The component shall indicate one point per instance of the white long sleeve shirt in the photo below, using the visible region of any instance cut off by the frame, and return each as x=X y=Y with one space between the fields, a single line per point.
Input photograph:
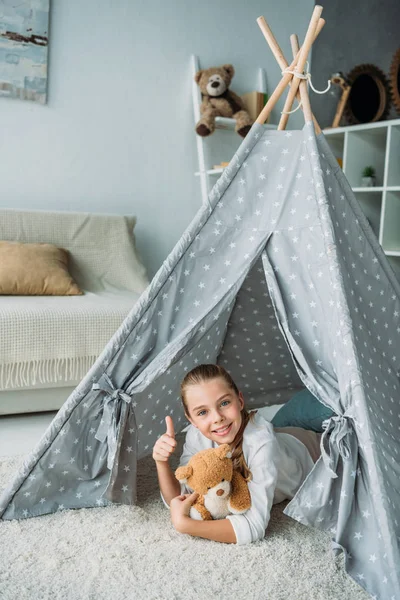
x=279 y=464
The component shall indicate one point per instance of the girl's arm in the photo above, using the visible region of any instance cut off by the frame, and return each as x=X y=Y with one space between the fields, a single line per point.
x=220 y=530
x=169 y=485
x=166 y=477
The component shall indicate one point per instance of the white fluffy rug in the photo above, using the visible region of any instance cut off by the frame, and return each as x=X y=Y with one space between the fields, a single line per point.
x=123 y=552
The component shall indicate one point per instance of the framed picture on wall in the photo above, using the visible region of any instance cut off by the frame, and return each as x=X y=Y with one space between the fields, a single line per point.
x=23 y=49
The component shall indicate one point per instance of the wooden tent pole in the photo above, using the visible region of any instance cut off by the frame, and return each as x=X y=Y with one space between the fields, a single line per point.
x=286 y=78
x=310 y=35
x=280 y=58
x=273 y=99
x=305 y=100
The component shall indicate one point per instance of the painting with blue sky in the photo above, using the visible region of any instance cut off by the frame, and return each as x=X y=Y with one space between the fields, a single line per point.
x=23 y=49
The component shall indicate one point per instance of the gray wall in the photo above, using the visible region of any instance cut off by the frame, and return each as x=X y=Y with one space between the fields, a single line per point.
x=117 y=134
x=355 y=33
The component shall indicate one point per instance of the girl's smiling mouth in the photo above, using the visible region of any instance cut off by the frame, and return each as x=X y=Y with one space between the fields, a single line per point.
x=223 y=431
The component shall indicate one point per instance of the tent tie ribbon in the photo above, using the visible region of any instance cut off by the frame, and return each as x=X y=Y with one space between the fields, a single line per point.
x=340 y=427
x=109 y=427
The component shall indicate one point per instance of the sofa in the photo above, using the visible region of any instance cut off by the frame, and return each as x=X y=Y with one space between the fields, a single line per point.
x=49 y=342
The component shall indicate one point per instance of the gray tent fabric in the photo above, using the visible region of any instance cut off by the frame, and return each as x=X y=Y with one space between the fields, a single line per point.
x=281 y=280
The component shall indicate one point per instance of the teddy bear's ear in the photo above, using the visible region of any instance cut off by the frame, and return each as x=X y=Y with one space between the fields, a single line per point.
x=224 y=451
x=198 y=75
x=182 y=473
x=229 y=69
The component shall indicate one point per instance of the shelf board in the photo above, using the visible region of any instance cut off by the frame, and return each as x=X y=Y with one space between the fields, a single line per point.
x=224 y=123
x=361 y=127
x=368 y=189
x=355 y=189
x=392 y=252
x=211 y=172
x=380 y=188
x=227 y=123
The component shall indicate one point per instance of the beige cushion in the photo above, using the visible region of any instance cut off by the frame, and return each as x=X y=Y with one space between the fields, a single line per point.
x=35 y=270
x=102 y=248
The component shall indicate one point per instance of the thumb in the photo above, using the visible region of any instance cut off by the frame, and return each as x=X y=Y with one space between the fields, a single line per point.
x=170 y=426
x=191 y=497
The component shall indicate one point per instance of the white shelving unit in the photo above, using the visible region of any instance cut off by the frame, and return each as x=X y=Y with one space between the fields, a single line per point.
x=206 y=174
x=376 y=144
x=358 y=146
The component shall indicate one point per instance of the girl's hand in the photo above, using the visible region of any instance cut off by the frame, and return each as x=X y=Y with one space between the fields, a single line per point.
x=180 y=509
x=166 y=444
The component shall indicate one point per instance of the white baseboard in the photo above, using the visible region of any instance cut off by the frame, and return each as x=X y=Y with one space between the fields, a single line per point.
x=36 y=400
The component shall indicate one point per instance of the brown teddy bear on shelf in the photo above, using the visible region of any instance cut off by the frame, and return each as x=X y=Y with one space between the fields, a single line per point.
x=222 y=490
x=219 y=101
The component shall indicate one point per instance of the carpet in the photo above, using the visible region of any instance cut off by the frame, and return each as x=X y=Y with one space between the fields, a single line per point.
x=133 y=552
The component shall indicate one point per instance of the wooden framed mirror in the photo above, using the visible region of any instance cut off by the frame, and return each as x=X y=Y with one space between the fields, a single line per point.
x=369 y=98
x=395 y=80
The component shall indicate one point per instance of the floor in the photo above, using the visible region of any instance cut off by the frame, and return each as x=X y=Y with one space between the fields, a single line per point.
x=20 y=433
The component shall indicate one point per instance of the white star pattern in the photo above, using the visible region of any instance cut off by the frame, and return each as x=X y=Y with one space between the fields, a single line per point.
x=306 y=251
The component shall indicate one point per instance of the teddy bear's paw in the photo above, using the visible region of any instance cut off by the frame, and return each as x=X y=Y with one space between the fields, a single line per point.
x=194 y=514
x=203 y=130
x=236 y=511
x=243 y=131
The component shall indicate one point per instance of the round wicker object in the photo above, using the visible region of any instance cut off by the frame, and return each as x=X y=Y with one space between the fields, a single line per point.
x=369 y=99
x=395 y=80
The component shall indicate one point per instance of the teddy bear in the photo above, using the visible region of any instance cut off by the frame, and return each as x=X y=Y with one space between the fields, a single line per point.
x=219 y=101
x=221 y=489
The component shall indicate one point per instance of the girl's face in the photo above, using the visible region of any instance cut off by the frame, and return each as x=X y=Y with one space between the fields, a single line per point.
x=214 y=409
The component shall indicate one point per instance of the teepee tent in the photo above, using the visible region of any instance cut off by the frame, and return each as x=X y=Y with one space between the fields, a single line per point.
x=280 y=279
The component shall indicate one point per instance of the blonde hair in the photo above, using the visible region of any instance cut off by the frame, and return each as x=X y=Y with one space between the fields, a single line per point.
x=207 y=372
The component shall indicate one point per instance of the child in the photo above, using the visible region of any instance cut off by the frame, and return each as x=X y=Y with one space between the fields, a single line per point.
x=274 y=462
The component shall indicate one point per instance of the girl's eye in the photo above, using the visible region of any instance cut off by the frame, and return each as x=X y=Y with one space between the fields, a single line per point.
x=202 y=412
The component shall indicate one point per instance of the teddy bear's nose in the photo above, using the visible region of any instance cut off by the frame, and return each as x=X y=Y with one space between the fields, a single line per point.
x=215 y=84
x=220 y=492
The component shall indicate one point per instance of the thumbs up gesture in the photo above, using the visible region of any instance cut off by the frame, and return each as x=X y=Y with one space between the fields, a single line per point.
x=166 y=444
x=170 y=427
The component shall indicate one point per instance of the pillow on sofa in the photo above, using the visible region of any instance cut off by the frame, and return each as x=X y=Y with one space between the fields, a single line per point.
x=102 y=247
x=35 y=270
x=302 y=410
